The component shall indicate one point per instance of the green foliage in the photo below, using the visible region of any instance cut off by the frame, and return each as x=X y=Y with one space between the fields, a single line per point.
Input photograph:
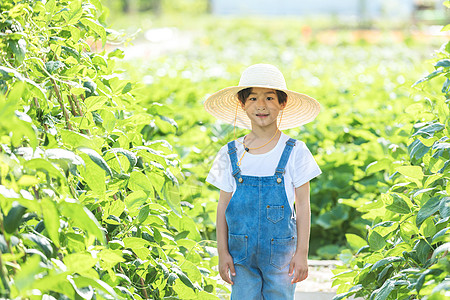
x=405 y=253
x=89 y=199
x=360 y=86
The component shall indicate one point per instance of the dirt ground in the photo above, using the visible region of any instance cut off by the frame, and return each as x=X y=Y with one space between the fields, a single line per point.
x=319 y=277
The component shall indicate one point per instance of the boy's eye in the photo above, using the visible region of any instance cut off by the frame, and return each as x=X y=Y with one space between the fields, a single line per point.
x=269 y=98
x=252 y=98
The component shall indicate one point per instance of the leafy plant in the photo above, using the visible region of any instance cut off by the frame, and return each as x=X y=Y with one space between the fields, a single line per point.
x=404 y=254
x=89 y=198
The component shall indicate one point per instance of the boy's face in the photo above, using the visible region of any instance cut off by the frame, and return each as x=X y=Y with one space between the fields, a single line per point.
x=262 y=106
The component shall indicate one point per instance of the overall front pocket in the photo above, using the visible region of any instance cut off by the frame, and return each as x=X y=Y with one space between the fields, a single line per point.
x=281 y=251
x=237 y=246
x=275 y=213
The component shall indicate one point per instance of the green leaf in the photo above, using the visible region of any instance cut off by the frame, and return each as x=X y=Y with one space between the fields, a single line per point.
x=417 y=149
x=42 y=242
x=50 y=7
x=444 y=207
x=181 y=289
x=126 y=88
x=135 y=200
x=82 y=218
x=96 y=158
x=429 y=76
x=166 y=124
x=386 y=261
x=411 y=171
x=79 y=262
x=398 y=205
x=341 y=296
x=192 y=271
x=128 y=154
x=355 y=241
x=95 y=102
x=407 y=230
x=74 y=13
x=26 y=275
x=427 y=210
x=74 y=33
x=441 y=233
x=14 y=217
x=383 y=292
x=139 y=182
x=19 y=49
x=383 y=164
x=52 y=66
x=172 y=196
x=428 y=228
x=97 y=4
x=93 y=174
x=443 y=63
x=77 y=140
x=143 y=214
x=134 y=242
x=429 y=130
x=51 y=220
x=442 y=248
x=43 y=165
x=376 y=241
x=422 y=249
x=119 y=53
x=185 y=224
x=182 y=276
x=62 y=154
x=35 y=89
x=82 y=282
x=96 y=27
x=110 y=257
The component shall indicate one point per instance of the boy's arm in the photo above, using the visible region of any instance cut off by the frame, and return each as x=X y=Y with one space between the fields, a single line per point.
x=225 y=259
x=299 y=262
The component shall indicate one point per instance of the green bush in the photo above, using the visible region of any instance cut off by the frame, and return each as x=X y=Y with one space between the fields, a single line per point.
x=404 y=254
x=89 y=195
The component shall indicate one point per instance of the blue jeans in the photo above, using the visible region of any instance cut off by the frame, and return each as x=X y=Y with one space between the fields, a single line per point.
x=262 y=233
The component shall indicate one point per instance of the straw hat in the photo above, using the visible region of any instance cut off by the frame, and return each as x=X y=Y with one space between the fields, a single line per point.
x=300 y=109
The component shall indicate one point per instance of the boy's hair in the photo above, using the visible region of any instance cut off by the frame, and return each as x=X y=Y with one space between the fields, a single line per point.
x=243 y=95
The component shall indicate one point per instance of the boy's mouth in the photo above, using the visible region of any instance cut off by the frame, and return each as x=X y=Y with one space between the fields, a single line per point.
x=262 y=115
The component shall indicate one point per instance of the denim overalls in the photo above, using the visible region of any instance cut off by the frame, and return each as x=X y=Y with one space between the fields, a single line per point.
x=262 y=233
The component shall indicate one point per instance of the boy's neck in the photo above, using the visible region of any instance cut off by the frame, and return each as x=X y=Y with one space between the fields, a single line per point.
x=263 y=134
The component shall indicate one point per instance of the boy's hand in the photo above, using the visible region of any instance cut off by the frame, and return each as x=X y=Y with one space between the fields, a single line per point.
x=298 y=266
x=225 y=264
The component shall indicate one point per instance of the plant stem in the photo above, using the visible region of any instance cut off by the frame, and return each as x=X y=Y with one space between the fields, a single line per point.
x=144 y=290
x=5 y=283
x=72 y=106
x=77 y=103
x=61 y=104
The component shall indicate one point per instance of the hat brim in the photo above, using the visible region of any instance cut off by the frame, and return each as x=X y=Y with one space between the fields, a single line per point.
x=300 y=108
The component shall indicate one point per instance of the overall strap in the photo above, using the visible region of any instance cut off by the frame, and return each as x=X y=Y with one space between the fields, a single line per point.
x=233 y=158
x=284 y=158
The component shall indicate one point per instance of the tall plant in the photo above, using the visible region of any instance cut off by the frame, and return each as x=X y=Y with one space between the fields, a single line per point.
x=405 y=252
x=90 y=206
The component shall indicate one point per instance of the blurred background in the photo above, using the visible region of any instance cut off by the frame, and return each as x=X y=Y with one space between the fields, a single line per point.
x=358 y=58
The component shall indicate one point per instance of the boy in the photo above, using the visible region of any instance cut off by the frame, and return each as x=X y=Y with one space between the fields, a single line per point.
x=262 y=239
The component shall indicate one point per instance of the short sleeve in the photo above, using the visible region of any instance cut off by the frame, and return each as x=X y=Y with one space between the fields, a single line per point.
x=220 y=174
x=305 y=166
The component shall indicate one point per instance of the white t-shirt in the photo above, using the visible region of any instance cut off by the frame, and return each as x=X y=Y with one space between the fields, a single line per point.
x=300 y=168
